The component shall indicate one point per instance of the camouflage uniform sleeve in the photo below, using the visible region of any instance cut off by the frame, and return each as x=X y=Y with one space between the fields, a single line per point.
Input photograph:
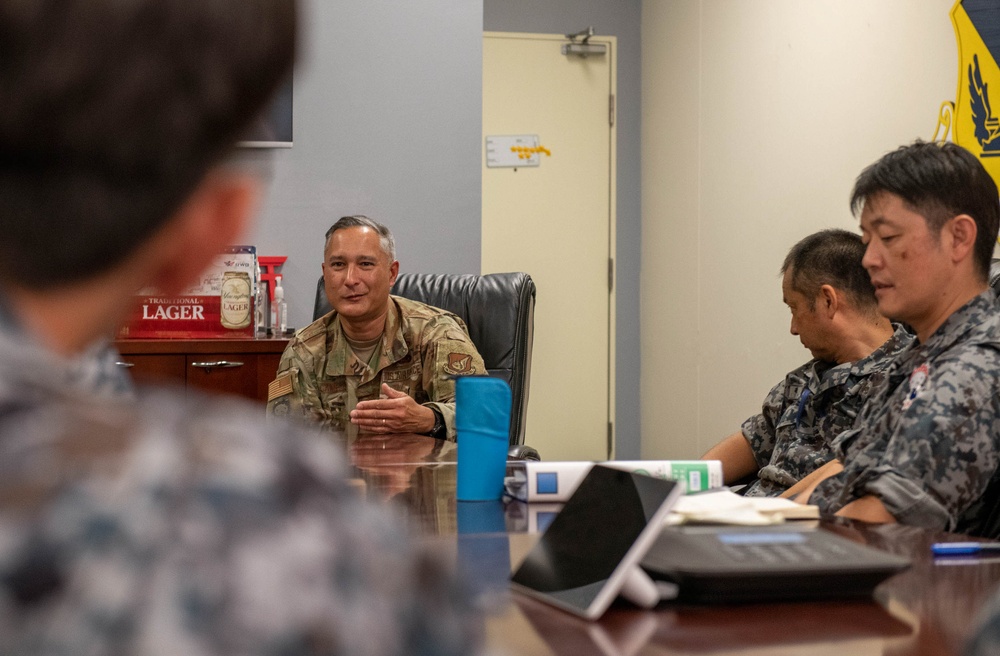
x=337 y=569
x=448 y=352
x=760 y=430
x=294 y=392
x=942 y=452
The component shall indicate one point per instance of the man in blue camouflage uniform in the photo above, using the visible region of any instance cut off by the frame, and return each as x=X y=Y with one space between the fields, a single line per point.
x=926 y=447
x=159 y=523
x=835 y=316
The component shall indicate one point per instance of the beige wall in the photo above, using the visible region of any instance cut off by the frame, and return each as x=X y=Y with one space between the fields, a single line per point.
x=757 y=116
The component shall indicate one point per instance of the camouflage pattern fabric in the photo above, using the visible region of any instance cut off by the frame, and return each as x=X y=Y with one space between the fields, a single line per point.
x=423 y=347
x=95 y=373
x=168 y=524
x=793 y=434
x=927 y=443
x=985 y=639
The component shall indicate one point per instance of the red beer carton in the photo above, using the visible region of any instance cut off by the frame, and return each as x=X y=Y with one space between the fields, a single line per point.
x=220 y=305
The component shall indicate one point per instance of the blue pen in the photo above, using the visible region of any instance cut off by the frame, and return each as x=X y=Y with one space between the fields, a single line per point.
x=964 y=548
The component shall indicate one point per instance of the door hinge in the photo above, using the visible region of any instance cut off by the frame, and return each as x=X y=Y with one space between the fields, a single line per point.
x=611 y=439
x=611 y=110
x=611 y=274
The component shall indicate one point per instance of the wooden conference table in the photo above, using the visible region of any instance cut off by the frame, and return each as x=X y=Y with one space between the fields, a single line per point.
x=928 y=609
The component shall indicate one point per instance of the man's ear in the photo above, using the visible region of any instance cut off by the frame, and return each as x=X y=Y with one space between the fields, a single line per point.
x=828 y=301
x=216 y=215
x=961 y=231
x=393 y=273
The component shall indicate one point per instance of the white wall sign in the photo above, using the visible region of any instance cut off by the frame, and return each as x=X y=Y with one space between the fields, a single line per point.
x=512 y=151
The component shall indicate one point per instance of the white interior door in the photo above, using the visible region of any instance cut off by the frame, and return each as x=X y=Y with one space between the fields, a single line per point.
x=555 y=221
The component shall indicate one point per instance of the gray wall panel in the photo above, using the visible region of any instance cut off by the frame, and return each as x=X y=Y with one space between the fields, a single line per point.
x=388 y=115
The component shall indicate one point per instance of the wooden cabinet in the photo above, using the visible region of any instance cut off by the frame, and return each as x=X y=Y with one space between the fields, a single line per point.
x=233 y=366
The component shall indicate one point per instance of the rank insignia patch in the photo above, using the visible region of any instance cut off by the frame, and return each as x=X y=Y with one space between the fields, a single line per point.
x=459 y=363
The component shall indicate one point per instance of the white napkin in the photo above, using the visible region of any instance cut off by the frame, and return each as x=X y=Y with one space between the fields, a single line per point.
x=725 y=507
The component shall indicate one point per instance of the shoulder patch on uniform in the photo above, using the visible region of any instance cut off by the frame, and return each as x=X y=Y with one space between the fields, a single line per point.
x=459 y=363
x=918 y=377
x=280 y=386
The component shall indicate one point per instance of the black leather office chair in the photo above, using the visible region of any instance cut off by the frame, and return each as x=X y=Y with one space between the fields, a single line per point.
x=995 y=276
x=499 y=309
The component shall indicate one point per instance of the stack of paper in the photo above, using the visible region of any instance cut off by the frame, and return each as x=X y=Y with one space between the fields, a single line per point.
x=726 y=507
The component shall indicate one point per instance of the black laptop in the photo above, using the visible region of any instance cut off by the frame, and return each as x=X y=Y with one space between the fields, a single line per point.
x=714 y=564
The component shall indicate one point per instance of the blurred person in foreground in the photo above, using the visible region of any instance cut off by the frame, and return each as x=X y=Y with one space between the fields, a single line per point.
x=164 y=525
x=835 y=315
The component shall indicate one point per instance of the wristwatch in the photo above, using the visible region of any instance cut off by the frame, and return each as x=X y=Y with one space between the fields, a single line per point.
x=440 y=430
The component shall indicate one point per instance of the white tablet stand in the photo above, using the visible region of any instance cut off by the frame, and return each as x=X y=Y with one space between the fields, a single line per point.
x=643 y=591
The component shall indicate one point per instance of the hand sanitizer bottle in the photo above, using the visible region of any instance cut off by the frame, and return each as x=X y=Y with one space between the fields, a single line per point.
x=260 y=303
x=279 y=311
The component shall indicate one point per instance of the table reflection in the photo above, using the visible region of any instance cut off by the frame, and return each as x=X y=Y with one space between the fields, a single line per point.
x=618 y=633
x=367 y=451
x=928 y=609
x=389 y=464
x=418 y=472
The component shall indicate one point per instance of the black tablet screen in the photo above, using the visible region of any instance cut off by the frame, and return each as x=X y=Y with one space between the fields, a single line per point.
x=575 y=558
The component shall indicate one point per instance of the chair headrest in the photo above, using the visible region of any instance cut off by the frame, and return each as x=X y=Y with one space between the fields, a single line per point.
x=995 y=277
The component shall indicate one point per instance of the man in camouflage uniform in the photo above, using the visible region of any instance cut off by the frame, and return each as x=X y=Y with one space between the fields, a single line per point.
x=380 y=363
x=164 y=523
x=926 y=446
x=835 y=316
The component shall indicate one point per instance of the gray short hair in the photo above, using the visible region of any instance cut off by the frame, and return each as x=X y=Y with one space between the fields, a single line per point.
x=386 y=241
x=831 y=257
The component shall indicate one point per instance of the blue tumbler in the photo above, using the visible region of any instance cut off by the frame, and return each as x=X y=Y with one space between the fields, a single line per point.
x=482 y=420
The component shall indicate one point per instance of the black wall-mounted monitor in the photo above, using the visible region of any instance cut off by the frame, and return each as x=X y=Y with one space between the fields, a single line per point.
x=274 y=127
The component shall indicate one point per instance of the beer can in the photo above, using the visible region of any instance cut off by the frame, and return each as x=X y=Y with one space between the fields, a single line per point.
x=235 y=298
